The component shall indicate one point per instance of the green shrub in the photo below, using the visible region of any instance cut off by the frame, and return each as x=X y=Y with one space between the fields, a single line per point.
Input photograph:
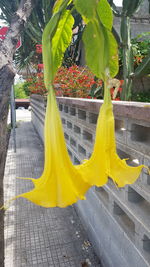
x=19 y=91
x=25 y=87
x=141 y=97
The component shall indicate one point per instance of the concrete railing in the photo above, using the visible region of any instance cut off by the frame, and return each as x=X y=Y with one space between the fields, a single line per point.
x=117 y=219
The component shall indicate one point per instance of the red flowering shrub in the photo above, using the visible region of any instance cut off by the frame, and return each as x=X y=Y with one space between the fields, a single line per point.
x=39 y=49
x=74 y=82
x=70 y=82
x=36 y=84
x=138 y=59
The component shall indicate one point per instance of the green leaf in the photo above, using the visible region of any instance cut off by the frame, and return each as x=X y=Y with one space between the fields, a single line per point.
x=94 y=48
x=36 y=33
x=47 y=36
x=113 y=55
x=143 y=34
x=105 y=14
x=101 y=50
x=57 y=5
x=110 y=53
x=62 y=38
x=87 y=9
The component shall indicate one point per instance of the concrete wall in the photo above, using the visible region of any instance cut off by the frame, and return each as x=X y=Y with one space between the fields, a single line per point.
x=140 y=22
x=38 y=114
x=117 y=219
x=138 y=25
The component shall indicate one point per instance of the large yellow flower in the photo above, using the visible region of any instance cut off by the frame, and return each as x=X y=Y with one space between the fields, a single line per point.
x=62 y=183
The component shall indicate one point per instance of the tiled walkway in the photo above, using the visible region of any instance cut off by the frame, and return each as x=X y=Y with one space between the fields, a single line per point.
x=36 y=236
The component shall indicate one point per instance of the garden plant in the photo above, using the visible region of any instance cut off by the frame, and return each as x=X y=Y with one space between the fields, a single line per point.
x=62 y=183
x=125 y=42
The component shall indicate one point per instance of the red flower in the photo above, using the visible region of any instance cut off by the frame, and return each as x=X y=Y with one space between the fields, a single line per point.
x=39 y=48
x=121 y=82
x=40 y=66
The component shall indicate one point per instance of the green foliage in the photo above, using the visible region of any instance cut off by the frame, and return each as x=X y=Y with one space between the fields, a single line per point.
x=141 y=54
x=62 y=38
x=141 y=44
x=49 y=57
x=130 y=7
x=105 y=50
x=141 y=97
x=94 y=46
x=19 y=91
x=26 y=55
x=113 y=55
x=57 y=5
x=105 y=13
x=97 y=91
x=8 y=9
x=131 y=52
x=72 y=55
x=32 y=35
x=143 y=68
x=88 y=9
x=25 y=87
x=48 y=34
x=100 y=44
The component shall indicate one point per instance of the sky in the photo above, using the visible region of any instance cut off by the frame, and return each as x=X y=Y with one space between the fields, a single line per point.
x=118 y=2
x=1 y=21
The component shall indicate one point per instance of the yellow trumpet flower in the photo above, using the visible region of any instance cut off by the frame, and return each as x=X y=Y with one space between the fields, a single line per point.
x=62 y=183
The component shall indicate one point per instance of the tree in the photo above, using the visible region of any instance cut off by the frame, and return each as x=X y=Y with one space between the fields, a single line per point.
x=26 y=55
x=32 y=34
x=7 y=49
